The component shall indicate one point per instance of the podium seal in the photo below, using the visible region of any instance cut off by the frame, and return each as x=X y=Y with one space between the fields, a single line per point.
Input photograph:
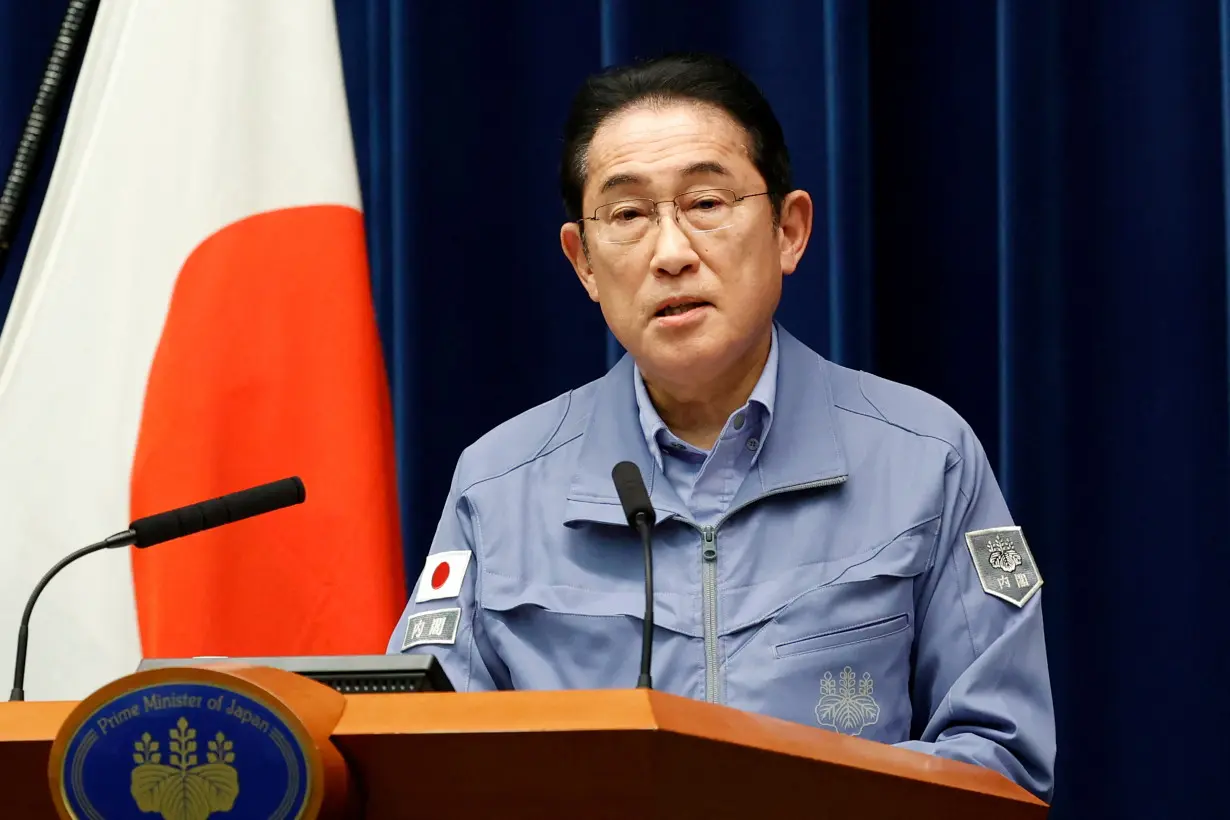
x=190 y=748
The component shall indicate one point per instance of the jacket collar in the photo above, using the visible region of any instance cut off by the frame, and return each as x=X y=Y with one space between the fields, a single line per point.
x=803 y=450
x=763 y=394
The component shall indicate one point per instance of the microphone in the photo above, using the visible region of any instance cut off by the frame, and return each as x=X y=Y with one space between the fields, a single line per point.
x=205 y=515
x=635 y=500
x=154 y=529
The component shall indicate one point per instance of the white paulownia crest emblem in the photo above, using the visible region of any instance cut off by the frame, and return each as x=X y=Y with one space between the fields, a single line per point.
x=1002 y=554
x=847 y=705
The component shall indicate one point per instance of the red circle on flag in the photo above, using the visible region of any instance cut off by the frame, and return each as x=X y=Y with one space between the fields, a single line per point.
x=440 y=575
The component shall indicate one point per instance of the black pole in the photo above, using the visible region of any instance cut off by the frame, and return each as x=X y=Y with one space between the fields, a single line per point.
x=121 y=539
x=74 y=29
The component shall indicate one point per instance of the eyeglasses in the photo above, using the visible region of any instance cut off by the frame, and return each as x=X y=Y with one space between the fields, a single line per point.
x=629 y=220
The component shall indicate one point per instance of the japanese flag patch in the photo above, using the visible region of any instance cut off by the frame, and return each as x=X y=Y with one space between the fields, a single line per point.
x=1006 y=567
x=435 y=626
x=442 y=576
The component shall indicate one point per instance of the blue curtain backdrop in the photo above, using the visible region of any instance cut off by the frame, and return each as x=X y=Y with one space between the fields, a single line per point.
x=1021 y=208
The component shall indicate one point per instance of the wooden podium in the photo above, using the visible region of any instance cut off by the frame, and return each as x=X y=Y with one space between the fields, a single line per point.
x=577 y=754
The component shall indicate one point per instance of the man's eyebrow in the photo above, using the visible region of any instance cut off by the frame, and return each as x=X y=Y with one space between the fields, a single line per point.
x=707 y=167
x=695 y=169
x=620 y=179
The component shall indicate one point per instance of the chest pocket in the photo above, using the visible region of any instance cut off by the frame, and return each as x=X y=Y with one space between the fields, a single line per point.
x=837 y=654
x=555 y=636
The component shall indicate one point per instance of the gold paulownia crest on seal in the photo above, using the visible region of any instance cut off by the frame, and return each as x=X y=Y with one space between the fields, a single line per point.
x=180 y=789
x=182 y=775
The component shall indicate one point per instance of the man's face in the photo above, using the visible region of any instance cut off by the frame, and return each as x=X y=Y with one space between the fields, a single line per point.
x=688 y=305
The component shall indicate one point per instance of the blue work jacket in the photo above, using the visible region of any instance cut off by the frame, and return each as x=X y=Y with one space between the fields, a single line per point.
x=867 y=577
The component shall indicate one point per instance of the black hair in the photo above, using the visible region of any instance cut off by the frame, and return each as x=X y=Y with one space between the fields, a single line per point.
x=690 y=77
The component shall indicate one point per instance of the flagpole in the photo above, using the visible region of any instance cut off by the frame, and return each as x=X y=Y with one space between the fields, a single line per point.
x=74 y=29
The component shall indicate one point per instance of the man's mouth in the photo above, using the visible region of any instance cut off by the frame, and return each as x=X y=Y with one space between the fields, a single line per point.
x=675 y=310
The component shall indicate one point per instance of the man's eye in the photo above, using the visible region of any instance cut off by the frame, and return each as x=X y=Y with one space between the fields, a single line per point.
x=626 y=214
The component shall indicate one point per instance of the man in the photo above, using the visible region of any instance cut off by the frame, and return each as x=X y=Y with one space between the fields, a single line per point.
x=831 y=548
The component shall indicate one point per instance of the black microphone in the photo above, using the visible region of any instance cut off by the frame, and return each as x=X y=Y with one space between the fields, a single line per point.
x=205 y=515
x=635 y=500
x=154 y=529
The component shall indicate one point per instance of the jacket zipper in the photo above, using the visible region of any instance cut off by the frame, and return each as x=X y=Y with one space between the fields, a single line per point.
x=708 y=576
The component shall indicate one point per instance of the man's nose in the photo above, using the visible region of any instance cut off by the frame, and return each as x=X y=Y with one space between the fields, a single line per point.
x=673 y=252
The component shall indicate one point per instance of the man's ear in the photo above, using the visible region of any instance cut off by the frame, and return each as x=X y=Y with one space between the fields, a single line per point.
x=573 y=244
x=794 y=229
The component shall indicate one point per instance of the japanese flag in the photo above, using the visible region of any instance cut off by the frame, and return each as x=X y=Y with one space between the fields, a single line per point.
x=442 y=576
x=194 y=317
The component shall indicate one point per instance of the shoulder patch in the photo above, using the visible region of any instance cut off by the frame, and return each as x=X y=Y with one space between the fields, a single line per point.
x=438 y=626
x=1006 y=567
x=442 y=575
